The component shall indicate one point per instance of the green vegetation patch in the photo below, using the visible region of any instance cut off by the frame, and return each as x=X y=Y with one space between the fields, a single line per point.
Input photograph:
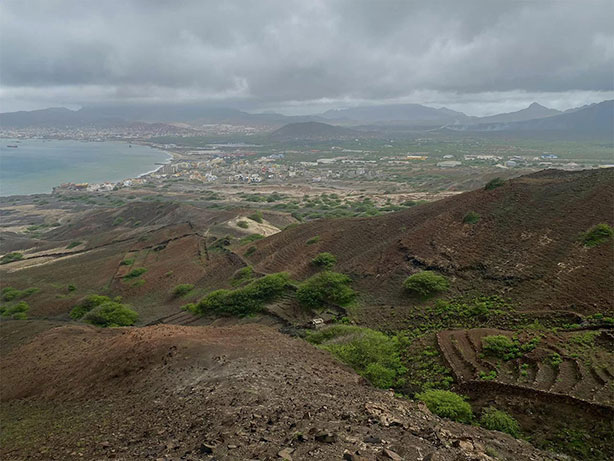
x=247 y=300
x=182 y=289
x=324 y=288
x=251 y=238
x=373 y=354
x=242 y=276
x=507 y=348
x=73 y=245
x=11 y=294
x=11 y=257
x=471 y=218
x=257 y=216
x=135 y=273
x=243 y=224
x=86 y=305
x=313 y=240
x=325 y=260
x=17 y=312
x=111 y=314
x=447 y=404
x=597 y=235
x=497 y=420
x=426 y=283
x=127 y=262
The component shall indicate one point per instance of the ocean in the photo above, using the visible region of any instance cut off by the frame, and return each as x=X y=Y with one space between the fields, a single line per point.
x=37 y=165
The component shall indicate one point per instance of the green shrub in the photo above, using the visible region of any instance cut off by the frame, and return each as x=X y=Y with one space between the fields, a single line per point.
x=111 y=314
x=497 y=420
x=11 y=257
x=73 y=244
x=325 y=260
x=127 y=262
x=447 y=405
x=71 y=287
x=247 y=300
x=182 y=289
x=426 y=283
x=371 y=353
x=325 y=287
x=257 y=216
x=555 y=359
x=471 y=218
x=117 y=221
x=313 y=240
x=494 y=183
x=243 y=224
x=16 y=312
x=490 y=376
x=86 y=305
x=597 y=235
x=134 y=273
x=10 y=293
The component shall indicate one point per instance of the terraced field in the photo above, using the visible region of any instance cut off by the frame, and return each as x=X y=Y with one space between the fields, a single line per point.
x=556 y=366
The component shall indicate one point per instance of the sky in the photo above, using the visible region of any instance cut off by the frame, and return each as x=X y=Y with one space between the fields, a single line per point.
x=306 y=56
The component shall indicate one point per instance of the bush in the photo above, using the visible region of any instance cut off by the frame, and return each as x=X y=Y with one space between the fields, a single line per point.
x=326 y=287
x=251 y=238
x=111 y=314
x=471 y=218
x=243 y=224
x=371 y=353
x=313 y=240
x=117 y=221
x=71 y=287
x=11 y=257
x=426 y=283
x=497 y=420
x=257 y=216
x=597 y=235
x=16 y=312
x=494 y=183
x=73 y=244
x=249 y=299
x=10 y=293
x=182 y=289
x=325 y=260
x=447 y=405
x=127 y=262
x=134 y=273
x=86 y=305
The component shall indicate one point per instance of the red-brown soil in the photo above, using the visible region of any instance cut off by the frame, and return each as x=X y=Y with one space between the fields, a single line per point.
x=525 y=246
x=243 y=392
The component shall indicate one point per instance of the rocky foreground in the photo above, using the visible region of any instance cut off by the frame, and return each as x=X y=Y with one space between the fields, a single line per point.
x=186 y=393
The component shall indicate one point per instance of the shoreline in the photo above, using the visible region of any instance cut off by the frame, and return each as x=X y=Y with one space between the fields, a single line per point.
x=170 y=156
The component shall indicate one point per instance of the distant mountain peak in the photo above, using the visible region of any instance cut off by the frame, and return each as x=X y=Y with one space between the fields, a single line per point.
x=536 y=105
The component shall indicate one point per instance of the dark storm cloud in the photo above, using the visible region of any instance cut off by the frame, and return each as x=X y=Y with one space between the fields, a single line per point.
x=277 y=52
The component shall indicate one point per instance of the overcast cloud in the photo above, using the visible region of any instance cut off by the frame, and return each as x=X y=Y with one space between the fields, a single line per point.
x=300 y=56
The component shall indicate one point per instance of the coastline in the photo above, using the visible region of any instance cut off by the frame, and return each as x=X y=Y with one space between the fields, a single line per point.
x=170 y=156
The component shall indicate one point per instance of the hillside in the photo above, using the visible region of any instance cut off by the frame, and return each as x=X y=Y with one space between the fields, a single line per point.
x=312 y=131
x=407 y=113
x=525 y=245
x=534 y=111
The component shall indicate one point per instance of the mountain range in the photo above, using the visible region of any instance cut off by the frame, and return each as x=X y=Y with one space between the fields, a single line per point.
x=595 y=118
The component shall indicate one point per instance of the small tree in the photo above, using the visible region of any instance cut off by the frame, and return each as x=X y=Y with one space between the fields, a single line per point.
x=471 y=218
x=426 y=283
x=447 y=405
